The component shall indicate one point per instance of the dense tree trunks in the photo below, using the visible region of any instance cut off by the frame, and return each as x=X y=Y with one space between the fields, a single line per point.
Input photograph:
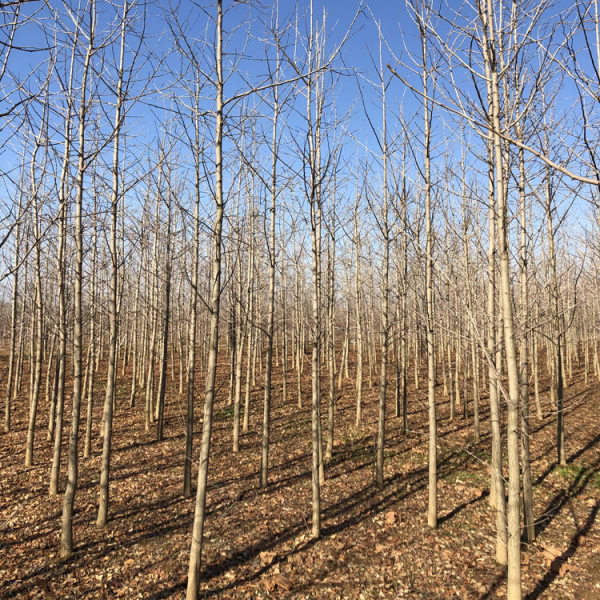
x=122 y=253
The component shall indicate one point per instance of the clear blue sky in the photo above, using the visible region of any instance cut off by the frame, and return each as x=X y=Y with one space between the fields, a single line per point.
x=362 y=47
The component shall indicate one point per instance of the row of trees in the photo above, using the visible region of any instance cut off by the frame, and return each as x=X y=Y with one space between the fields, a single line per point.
x=262 y=218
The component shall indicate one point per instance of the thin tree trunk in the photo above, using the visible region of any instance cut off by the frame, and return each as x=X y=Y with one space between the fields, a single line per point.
x=272 y=252
x=524 y=362
x=165 y=341
x=193 y=319
x=92 y=347
x=506 y=307
x=331 y=330
x=359 y=324
x=497 y=491
x=193 y=582
x=432 y=453
x=385 y=333
x=66 y=538
x=557 y=336
x=13 y=314
x=113 y=303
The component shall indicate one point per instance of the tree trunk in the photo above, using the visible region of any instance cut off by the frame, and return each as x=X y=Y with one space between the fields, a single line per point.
x=113 y=302
x=66 y=538
x=193 y=582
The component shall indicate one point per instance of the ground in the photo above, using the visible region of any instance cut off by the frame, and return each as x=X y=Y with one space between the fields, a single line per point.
x=375 y=542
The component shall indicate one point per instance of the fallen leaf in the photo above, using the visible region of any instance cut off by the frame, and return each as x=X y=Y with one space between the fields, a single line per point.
x=551 y=552
x=283 y=582
x=390 y=517
x=266 y=558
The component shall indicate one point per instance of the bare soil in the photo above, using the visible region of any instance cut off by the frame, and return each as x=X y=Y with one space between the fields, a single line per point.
x=375 y=542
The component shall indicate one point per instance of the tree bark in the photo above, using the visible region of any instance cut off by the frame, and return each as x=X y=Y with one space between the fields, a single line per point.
x=113 y=302
x=195 y=563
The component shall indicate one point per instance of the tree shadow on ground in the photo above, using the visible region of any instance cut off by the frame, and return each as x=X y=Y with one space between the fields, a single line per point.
x=361 y=505
x=554 y=569
x=562 y=497
x=461 y=507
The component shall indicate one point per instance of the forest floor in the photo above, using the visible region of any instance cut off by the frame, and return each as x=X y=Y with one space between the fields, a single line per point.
x=375 y=543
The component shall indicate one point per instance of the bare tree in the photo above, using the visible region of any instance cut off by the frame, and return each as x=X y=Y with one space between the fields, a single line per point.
x=66 y=540
x=491 y=56
x=272 y=254
x=116 y=194
x=193 y=582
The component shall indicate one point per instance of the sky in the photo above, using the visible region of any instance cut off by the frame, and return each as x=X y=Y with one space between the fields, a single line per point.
x=147 y=119
x=359 y=52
